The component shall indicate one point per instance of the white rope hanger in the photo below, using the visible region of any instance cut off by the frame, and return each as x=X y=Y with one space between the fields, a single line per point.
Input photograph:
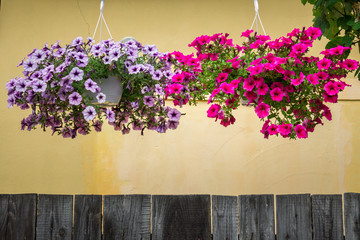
x=257 y=16
x=101 y=16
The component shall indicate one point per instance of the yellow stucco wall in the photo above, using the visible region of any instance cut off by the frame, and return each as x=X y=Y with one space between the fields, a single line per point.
x=200 y=156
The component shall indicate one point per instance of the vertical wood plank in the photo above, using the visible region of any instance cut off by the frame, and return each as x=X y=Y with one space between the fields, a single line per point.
x=179 y=217
x=113 y=217
x=352 y=216
x=327 y=217
x=137 y=217
x=293 y=214
x=87 y=219
x=54 y=220
x=225 y=217
x=17 y=216
x=256 y=217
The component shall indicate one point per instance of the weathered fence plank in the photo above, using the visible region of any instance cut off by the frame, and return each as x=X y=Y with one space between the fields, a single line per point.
x=137 y=217
x=181 y=217
x=256 y=217
x=87 y=217
x=327 y=217
x=17 y=216
x=225 y=217
x=293 y=213
x=113 y=217
x=352 y=216
x=54 y=220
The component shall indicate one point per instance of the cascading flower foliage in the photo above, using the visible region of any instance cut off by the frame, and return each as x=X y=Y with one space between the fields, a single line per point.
x=57 y=84
x=289 y=90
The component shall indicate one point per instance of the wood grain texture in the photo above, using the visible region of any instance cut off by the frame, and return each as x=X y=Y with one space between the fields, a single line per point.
x=225 y=217
x=137 y=217
x=54 y=220
x=113 y=217
x=293 y=214
x=181 y=217
x=87 y=217
x=327 y=217
x=17 y=216
x=352 y=216
x=256 y=217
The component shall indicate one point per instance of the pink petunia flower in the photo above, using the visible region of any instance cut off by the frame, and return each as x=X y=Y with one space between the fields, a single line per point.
x=313 y=79
x=285 y=129
x=262 y=88
x=213 y=110
x=324 y=64
x=227 y=88
x=273 y=129
x=221 y=77
x=262 y=110
x=301 y=131
x=331 y=88
x=277 y=94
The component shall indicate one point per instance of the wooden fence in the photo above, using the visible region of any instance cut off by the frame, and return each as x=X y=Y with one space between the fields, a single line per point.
x=179 y=217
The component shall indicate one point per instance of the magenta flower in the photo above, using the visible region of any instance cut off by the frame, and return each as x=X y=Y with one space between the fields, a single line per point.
x=213 y=110
x=285 y=129
x=322 y=75
x=227 y=88
x=313 y=79
x=174 y=115
x=76 y=74
x=262 y=88
x=178 y=78
x=249 y=84
x=331 y=88
x=350 y=64
x=273 y=129
x=75 y=98
x=174 y=88
x=301 y=131
x=262 y=110
x=330 y=98
x=246 y=33
x=313 y=32
x=89 y=113
x=324 y=63
x=221 y=77
x=251 y=96
x=277 y=94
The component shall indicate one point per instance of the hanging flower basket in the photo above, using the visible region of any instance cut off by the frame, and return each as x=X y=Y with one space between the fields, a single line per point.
x=112 y=88
x=293 y=88
x=59 y=85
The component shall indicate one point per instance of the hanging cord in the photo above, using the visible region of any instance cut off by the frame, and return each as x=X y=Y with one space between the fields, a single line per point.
x=101 y=16
x=257 y=16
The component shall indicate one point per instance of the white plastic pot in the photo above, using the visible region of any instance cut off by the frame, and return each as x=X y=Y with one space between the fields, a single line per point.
x=112 y=88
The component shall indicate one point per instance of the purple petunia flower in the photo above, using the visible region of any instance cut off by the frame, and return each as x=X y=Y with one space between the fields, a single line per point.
x=157 y=75
x=89 y=113
x=101 y=98
x=59 y=52
x=168 y=74
x=114 y=54
x=66 y=81
x=39 y=86
x=76 y=74
x=135 y=105
x=90 y=85
x=174 y=115
x=145 y=89
x=30 y=65
x=62 y=94
x=127 y=64
x=133 y=69
x=159 y=90
x=172 y=124
x=21 y=85
x=150 y=49
x=75 y=98
x=11 y=84
x=149 y=101
x=110 y=115
x=107 y=60
x=38 y=56
x=77 y=41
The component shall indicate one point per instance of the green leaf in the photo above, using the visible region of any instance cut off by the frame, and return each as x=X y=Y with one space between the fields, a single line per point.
x=304 y=2
x=318 y=3
x=322 y=23
x=356 y=26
